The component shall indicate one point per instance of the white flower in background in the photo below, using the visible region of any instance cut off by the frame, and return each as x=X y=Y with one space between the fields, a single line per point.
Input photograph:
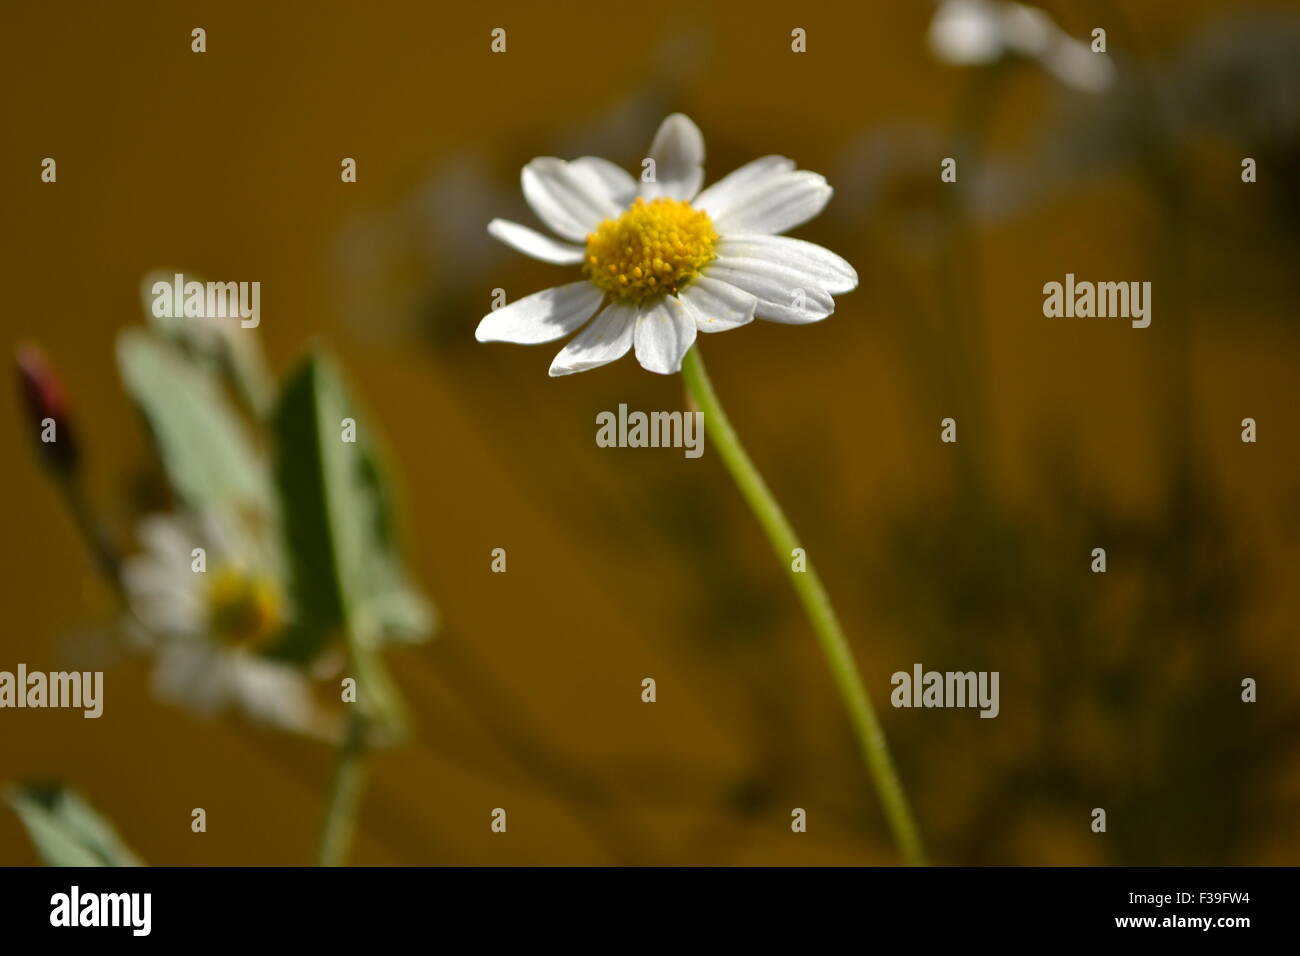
x=662 y=259
x=980 y=32
x=206 y=629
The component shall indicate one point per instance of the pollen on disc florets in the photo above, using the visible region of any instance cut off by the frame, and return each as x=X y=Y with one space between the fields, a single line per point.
x=244 y=609
x=654 y=247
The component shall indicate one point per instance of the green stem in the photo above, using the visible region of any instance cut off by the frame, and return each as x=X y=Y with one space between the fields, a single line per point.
x=96 y=536
x=344 y=800
x=817 y=605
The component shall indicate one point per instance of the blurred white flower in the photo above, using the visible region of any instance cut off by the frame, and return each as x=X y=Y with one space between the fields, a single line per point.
x=206 y=629
x=980 y=32
x=664 y=259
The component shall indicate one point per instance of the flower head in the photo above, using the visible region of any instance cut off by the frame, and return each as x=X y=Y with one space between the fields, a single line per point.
x=980 y=32
x=663 y=260
x=207 y=623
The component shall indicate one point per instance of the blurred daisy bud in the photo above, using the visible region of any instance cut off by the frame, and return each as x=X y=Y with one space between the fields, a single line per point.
x=46 y=406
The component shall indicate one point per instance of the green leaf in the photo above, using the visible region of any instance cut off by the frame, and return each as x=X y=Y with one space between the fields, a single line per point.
x=205 y=451
x=66 y=830
x=219 y=344
x=346 y=568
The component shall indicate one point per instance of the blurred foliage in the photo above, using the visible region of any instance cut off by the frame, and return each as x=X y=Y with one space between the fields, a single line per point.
x=339 y=522
x=66 y=830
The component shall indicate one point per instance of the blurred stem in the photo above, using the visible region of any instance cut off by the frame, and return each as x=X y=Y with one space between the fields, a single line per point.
x=384 y=708
x=343 y=801
x=958 y=278
x=97 y=537
x=816 y=604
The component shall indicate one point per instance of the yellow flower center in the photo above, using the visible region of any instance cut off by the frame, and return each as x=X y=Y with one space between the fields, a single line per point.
x=244 y=610
x=656 y=246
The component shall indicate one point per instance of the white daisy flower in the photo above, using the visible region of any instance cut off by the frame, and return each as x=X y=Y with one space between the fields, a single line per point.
x=979 y=32
x=206 y=628
x=663 y=260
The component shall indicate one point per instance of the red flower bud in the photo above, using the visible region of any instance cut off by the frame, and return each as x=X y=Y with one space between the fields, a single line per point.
x=46 y=404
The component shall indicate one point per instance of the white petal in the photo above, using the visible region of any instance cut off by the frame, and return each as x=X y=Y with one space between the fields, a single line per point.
x=966 y=32
x=731 y=189
x=617 y=182
x=193 y=675
x=1075 y=65
x=570 y=199
x=823 y=267
x=678 y=152
x=226 y=540
x=775 y=203
x=167 y=538
x=1027 y=30
x=665 y=332
x=607 y=338
x=543 y=316
x=172 y=617
x=784 y=294
x=717 y=306
x=166 y=601
x=532 y=243
x=271 y=693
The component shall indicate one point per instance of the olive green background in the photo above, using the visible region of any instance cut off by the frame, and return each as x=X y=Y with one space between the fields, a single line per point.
x=1118 y=690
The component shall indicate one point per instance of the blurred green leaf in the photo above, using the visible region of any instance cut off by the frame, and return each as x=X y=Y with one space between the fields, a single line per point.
x=204 y=449
x=66 y=830
x=339 y=524
x=219 y=344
